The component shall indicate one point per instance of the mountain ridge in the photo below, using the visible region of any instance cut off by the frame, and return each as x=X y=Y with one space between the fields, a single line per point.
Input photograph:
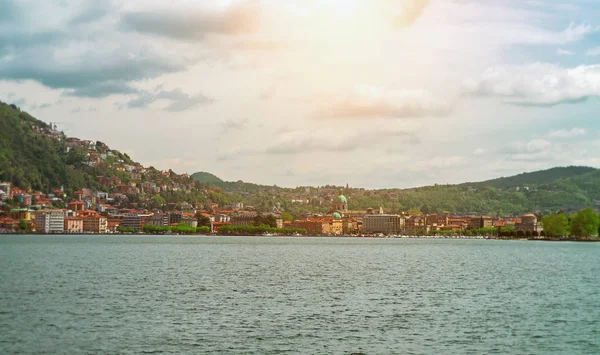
x=33 y=154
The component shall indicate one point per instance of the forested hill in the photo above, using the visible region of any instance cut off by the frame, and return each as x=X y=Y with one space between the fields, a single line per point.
x=534 y=178
x=28 y=158
x=563 y=188
x=33 y=154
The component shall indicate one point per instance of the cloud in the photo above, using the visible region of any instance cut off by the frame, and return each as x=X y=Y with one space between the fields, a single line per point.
x=179 y=100
x=532 y=150
x=375 y=102
x=538 y=84
x=7 y=10
x=575 y=33
x=195 y=24
x=593 y=52
x=88 y=72
x=479 y=151
x=413 y=9
x=436 y=163
x=564 y=52
x=564 y=133
x=258 y=45
x=293 y=142
x=93 y=11
x=76 y=53
x=235 y=125
x=143 y=100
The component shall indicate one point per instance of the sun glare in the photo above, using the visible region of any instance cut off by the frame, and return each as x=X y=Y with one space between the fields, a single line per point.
x=343 y=9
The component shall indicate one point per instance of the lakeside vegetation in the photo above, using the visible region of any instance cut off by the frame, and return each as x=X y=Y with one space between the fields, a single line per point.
x=259 y=230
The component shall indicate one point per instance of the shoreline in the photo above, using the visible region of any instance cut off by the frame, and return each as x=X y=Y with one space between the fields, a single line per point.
x=313 y=236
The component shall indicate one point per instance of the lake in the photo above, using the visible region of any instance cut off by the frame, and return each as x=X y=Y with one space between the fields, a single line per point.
x=257 y=295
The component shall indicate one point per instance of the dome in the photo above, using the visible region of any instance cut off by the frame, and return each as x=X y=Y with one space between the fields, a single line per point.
x=336 y=215
x=529 y=219
x=341 y=199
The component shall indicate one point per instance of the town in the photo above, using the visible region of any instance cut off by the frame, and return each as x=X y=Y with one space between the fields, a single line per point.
x=123 y=196
x=102 y=212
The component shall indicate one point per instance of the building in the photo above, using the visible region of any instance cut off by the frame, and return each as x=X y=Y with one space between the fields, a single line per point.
x=221 y=218
x=8 y=225
x=132 y=220
x=190 y=221
x=529 y=223
x=340 y=204
x=24 y=199
x=50 y=221
x=95 y=224
x=349 y=226
x=336 y=226
x=175 y=217
x=312 y=226
x=76 y=206
x=382 y=223
x=73 y=225
x=159 y=220
x=481 y=222
x=22 y=214
x=5 y=190
x=243 y=219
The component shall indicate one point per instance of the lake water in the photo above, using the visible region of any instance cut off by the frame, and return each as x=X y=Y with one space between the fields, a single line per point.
x=193 y=295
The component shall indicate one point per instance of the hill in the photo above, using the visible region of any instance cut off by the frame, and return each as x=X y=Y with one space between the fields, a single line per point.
x=547 y=191
x=29 y=159
x=206 y=178
x=34 y=155
x=535 y=178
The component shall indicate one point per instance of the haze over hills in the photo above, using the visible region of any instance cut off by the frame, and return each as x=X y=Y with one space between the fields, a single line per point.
x=34 y=155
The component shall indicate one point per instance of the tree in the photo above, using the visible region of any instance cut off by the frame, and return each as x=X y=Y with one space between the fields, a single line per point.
x=286 y=216
x=202 y=220
x=267 y=220
x=414 y=212
x=23 y=225
x=585 y=223
x=556 y=225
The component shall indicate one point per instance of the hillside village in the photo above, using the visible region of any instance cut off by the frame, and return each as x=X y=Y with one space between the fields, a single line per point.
x=104 y=191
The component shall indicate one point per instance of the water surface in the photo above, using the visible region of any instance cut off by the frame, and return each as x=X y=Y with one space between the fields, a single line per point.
x=192 y=295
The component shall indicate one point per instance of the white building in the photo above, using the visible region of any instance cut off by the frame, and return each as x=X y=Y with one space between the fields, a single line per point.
x=50 y=221
x=5 y=188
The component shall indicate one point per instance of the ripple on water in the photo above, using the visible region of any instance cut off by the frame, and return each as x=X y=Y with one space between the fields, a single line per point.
x=151 y=295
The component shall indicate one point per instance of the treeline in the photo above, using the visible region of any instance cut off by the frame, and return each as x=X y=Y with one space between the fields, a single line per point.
x=585 y=223
x=258 y=230
x=181 y=228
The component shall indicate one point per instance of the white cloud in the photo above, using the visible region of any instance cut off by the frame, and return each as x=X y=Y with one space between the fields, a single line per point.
x=576 y=33
x=436 y=163
x=593 y=52
x=538 y=84
x=537 y=145
x=564 y=52
x=479 y=151
x=564 y=133
x=366 y=101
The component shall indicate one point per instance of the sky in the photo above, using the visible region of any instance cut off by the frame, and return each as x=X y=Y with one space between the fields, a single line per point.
x=376 y=94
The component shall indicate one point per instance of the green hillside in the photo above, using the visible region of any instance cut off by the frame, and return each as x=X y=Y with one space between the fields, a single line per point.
x=34 y=155
x=547 y=191
x=29 y=159
x=535 y=178
x=206 y=178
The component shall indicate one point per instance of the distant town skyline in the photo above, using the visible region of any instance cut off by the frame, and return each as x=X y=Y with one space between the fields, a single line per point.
x=371 y=93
